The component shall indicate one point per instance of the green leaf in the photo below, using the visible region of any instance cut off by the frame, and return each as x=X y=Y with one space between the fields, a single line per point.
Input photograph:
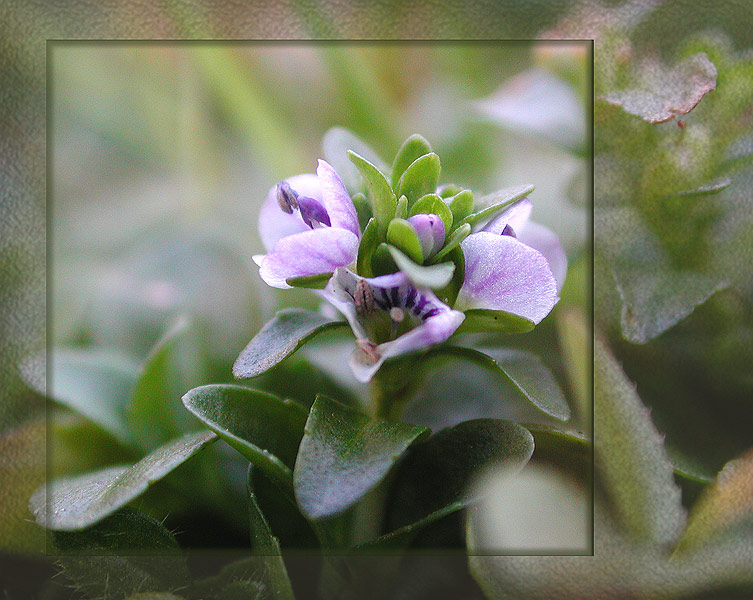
x=401 y=212
x=126 y=553
x=263 y=542
x=369 y=243
x=382 y=197
x=77 y=502
x=433 y=204
x=496 y=202
x=312 y=282
x=284 y=334
x=402 y=236
x=449 y=293
x=335 y=145
x=420 y=178
x=484 y=320
x=413 y=148
x=155 y=413
x=438 y=473
x=461 y=205
x=722 y=506
x=343 y=455
x=523 y=369
x=97 y=384
x=631 y=458
x=262 y=427
x=453 y=241
x=382 y=262
x=434 y=276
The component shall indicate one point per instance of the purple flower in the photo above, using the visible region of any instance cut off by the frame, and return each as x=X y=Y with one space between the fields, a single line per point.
x=513 y=265
x=309 y=226
x=389 y=317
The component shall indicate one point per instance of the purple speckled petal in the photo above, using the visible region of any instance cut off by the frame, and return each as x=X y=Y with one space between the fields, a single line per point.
x=274 y=224
x=310 y=252
x=430 y=231
x=336 y=199
x=516 y=216
x=433 y=329
x=502 y=273
x=546 y=241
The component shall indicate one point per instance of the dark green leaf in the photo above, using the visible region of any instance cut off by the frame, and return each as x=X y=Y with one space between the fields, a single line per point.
x=343 y=455
x=155 y=413
x=314 y=282
x=263 y=542
x=402 y=236
x=433 y=204
x=433 y=276
x=420 y=178
x=484 y=320
x=413 y=148
x=382 y=262
x=496 y=202
x=438 y=473
x=262 y=427
x=383 y=199
x=523 y=369
x=95 y=383
x=631 y=458
x=78 y=502
x=126 y=553
x=278 y=339
x=369 y=243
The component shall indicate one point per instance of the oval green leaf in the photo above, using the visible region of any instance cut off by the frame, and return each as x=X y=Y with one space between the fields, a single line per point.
x=413 y=148
x=433 y=204
x=278 y=339
x=420 y=178
x=343 y=455
x=77 y=502
x=383 y=199
x=496 y=202
x=485 y=320
x=262 y=427
x=402 y=236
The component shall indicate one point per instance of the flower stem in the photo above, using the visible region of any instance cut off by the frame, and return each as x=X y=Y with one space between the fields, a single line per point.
x=390 y=390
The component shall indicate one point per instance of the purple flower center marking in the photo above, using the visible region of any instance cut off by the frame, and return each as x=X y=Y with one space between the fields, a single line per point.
x=312 y=211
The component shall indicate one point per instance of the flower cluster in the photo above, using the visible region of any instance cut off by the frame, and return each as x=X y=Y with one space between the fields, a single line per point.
x=420 y=262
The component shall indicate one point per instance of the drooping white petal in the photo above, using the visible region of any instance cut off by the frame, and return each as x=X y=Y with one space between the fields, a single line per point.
x=336 y=200
x=502 y=273
x=311 y=252
x=274 y=224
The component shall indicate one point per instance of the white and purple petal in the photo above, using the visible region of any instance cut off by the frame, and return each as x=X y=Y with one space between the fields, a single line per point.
x=544 y=240
x=274 y=224
x=336 y=200
x=502 y=273
x=311 y=252
x=516 y=217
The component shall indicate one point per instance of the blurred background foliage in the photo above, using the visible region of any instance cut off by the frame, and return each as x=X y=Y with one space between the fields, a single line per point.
x=161 y=153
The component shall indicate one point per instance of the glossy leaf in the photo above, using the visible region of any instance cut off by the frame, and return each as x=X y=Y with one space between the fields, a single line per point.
x=97 y=384
x=524 y=370
x=433 y=276
x=278 y=339
x=439 y=472
x=413 y=148
x=262 y=427
x=312 y=282
x=126 y=553
x=485 y=320
x=369 y=243
x=77 y=502
x=382 y=197
x=403 y=236
x=264 y=543
x=461 y=206
x=631 y=458
x=155 y=414
x=420 y=178
x=344 y=454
